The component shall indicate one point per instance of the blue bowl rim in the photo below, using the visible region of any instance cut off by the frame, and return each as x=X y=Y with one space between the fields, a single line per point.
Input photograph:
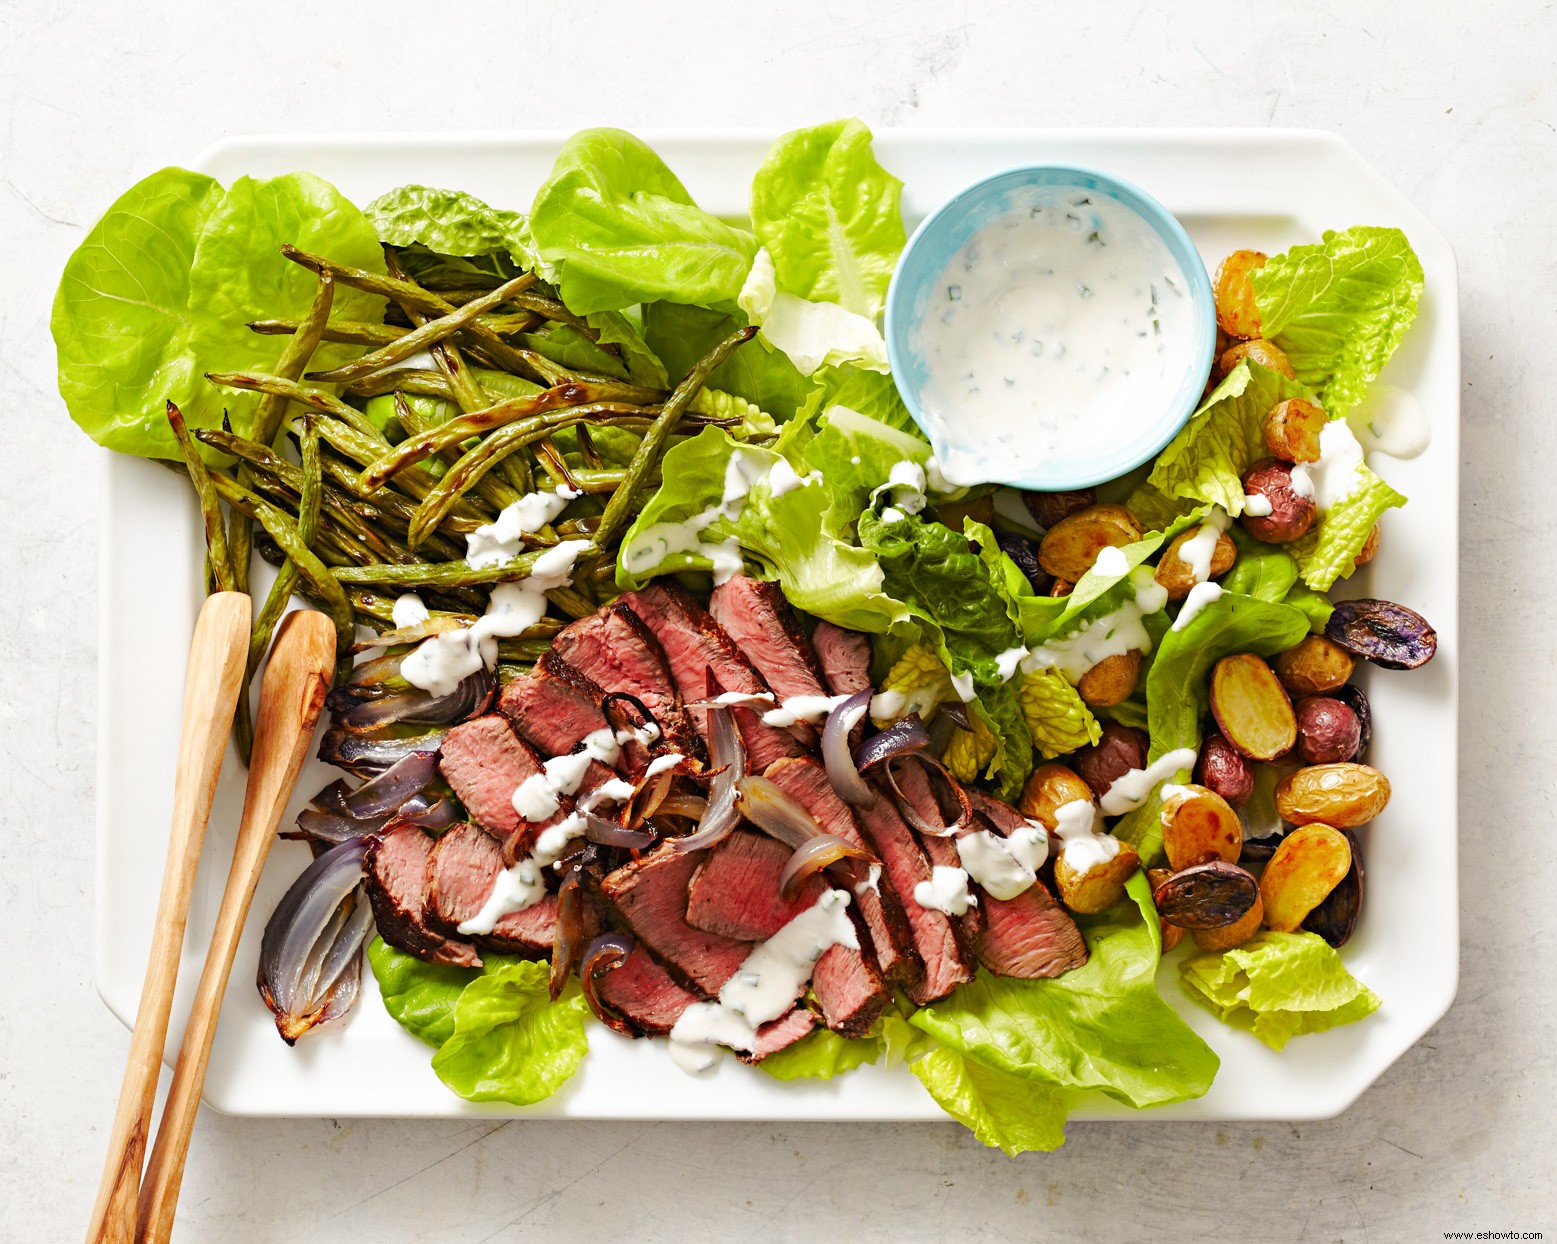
x=1180 y=246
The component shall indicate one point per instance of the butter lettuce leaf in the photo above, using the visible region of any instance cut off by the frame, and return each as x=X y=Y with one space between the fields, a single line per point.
x=421 y=996
x=1339 y=308
x=510 y=1041
x=1101 y=1026
x=810 y=334
x=1004 y=1111
x=618 y=228
x=830 y=216
x=680 y=335
x=821 y=1056
x=449 y=222
x=1178 y=687
x=1278 y=986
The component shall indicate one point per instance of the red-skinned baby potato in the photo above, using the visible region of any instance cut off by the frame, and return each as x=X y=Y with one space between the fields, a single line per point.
x=1352 y=696
x=1221 y=768
x=1291 y=514
x=1119 y=750
x=1328 y=730
x=1252 y=708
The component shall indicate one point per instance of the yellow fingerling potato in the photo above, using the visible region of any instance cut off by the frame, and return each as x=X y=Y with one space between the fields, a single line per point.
x=1199 y=825
x=1314 y=666
x=1049 y=788
x=1235 y=934
x=1261 y=352
x=1111 y=680
x=1178 y=576
x=1344 y=795
x=1100 y=887
x=1252 y=708
x=1292 y=430
x=1236 y=314
x=1069 y=548
x=1309 y=863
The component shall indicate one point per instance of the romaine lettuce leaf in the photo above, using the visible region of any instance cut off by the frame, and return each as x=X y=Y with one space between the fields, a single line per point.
x=121 y=319
x=1101 y=1026
x=1278 y=986
x=1057 y=718
x=821 y=1056
x=829 y=215
x=1329 y=551
x=1339 y=308
x=811 y=335
x=680 y=335
x=510 y=1041
x=449 y=222
x=421 y=996
x=1005 y=1111
x=619 y=228
x=1178 y=692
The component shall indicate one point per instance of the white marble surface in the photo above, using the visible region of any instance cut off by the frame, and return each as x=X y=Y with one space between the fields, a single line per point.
x=1453 y=102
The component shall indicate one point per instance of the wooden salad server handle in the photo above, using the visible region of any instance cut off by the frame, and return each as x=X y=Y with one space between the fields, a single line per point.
x=218 y=652
x=291 y=696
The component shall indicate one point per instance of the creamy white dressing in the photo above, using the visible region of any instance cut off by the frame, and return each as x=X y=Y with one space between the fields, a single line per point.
x=536 y=798
x=1257 y=505
x=1008 y=662
x=872 y=881
x=935 y=479
x=798 y=708
x=892 y=515
x=1110 y=635
x=1063 y=324
x=782 y=478
x=1110 y=562
x=1201 y=595
x=1003 y=868
x=889 y=706
x=661 y=763
x=1337 y=474
x=515 y=889
x=408 y=611
x=1198 y=551
x=962 y=684
x=1130 y=790
x=659 y=542
x=1389 y=420
x=947 y=890
x=1082 y=848
x=765 y=986
x=503 y=540
x=906 y=486
x=439 y=664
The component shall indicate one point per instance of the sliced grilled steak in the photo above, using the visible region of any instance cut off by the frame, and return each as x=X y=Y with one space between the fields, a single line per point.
x=905 y=866
x=552 y=714
x=804 y=779
x=643 y=992
x=735 y=892
x=1029 y=936
x=486 y=762
x=650 y=894
x=849 y=989
x=758 y=619
x=999 y=814
x=396 y=872
x=844 y=656
x=778 y=1034
x=617 y=652
x=695 y=646
x=463 y=868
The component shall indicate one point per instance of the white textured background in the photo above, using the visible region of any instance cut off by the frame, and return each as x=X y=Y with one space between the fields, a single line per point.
x=1454 y=102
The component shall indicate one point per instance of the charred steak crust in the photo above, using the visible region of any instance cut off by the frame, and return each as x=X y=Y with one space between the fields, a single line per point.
x=461 y=871
x=395 y=869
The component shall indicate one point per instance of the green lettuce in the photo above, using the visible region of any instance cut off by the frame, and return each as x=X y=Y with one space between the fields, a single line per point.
x=1004 y=1111
x=421 y=996
x=618 y=228
x=1178 y=691
x=1262 y=571
x=1339 y=308
x=680 y=335
x=868 y=393
x=854 y=454
x=1278 y=986
x=1329 y=551
x=1315 y=606
x=821 y=1056
x=510 y=1041
x=810 y=334
x=829 y=216
x=449 y=222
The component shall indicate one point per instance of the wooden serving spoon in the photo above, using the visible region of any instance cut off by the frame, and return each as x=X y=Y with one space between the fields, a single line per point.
x=217 y=654
x=296 y=680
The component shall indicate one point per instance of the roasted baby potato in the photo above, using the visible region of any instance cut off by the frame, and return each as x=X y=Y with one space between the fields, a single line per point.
x=1336 y=918
x=1309 y=863
x=1292 y=430
x=1176 y=574
x=1340 y=795
x=1291 y=513
x=1071 y=546
x=1061 y=587
x=1222 y=769
x=980 y=510
x=1265 y=353
x=1370 y=548
x=1048 y=508
x=1252 y=708
x=1328 y=730
x=1111 y=680
x=1382 y=632
x=1236 y=314
x=1100 y=887
x=1172 y=935
x=1235 y=934
x=1198 y=825
x=1049 y=788
x=1120 y=749
x=1314 y=666
x=1207 y=896
x=1354 y=699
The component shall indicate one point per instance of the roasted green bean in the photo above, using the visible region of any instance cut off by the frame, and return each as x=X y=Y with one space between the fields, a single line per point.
x=210 y=507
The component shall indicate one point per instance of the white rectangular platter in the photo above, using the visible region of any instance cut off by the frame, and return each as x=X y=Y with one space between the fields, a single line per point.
x=1231 y=188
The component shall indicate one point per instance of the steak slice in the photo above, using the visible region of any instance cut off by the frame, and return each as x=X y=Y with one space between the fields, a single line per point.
x=905 y=866
x=759 y=620
x=464 y=866
x=617 y=652
x=644 y=994
x=554 y=715
x=778 y=1034
x=848 y=989
x=696 y=646
x=805 y=780
x=735 y=891
x=395 y=869
x=486 y=762
x=1029 y=936
x=650 y=894
x=1001 y=815
x=844 y=656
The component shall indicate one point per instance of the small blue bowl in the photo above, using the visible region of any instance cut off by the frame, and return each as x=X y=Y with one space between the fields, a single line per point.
x=944 y=232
